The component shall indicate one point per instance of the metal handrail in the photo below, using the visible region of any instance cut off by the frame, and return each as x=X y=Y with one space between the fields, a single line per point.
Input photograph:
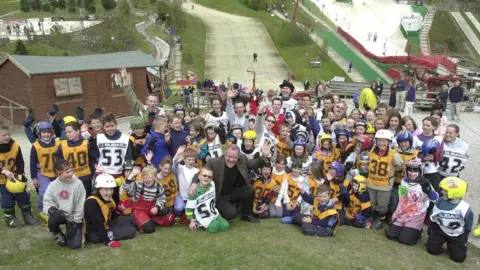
x=10 y=106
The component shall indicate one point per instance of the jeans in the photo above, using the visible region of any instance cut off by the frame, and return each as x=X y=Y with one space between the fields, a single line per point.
x=400 y=100
x=44 y=182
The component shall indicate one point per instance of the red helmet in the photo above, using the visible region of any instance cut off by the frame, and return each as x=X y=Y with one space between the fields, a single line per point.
x=365 y=140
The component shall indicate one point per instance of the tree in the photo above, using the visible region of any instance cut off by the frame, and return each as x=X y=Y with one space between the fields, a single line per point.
x=176 y=15
x=20 y=48
x=46 y=7
x=72 y=6
x=37 y=5
x=62 y=4
x=90 y=6
x=109 y=4
x=25 y=5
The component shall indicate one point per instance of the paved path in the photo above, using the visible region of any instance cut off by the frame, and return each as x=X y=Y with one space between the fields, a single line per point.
x=473 y=20
x=367 y=60
x=472 y=37
x=230 y=43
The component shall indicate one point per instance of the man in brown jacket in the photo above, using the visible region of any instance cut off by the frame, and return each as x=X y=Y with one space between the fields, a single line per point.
x=232 y=181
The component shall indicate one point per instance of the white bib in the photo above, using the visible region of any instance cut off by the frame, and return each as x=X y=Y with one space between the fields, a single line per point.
x=452 y=222
x=215 y=148
x=204 y=206
x=453 y=159
x=112 y=153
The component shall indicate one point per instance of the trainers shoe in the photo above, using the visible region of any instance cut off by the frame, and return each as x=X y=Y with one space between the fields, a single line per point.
x=60 y=239
x=13 y=222
x=249 y=218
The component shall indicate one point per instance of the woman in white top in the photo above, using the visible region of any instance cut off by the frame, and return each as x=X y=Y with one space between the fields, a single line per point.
x=263 y=129
x=217 y=115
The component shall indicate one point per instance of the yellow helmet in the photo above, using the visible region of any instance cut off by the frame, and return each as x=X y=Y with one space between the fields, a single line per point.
x=362 y=183
x=119 y=181
x=69 y=119
x=370 y=129
x=324 y=137
x=250 y=135
x=17 y=185
x=455 y=187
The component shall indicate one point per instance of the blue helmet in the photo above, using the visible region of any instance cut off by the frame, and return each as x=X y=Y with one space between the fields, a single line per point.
x=178 y=108
x=43 y=126
x=301 y=143
x=431 y=147
x=338 y=167
x=342 y=132
x=405 y=135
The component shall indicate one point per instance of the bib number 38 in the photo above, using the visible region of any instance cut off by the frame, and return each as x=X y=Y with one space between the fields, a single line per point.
x=378 y=168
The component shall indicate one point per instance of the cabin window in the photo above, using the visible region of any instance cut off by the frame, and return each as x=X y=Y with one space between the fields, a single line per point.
x=68 y=86
x=116 y=80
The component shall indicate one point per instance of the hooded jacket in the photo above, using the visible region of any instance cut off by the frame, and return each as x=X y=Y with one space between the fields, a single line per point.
x=156 y=143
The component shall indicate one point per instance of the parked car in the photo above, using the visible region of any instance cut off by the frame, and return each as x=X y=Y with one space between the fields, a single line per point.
x=91 y=17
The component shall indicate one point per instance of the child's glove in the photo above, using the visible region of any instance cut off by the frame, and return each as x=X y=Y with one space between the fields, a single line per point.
x=114 y=244
x=80 y=113
x=98 y=112
x=54 y=110
x=348 y=166
x=425 y=184
x=151 y=144
x=29 y=120
x=55 y=215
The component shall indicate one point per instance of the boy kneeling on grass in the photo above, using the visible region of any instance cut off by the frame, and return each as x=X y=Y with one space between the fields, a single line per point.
x=200 y=208
x=451 y=220
x=324 y=219
x=63 y=203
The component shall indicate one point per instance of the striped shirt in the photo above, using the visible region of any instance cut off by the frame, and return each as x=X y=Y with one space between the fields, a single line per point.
x=156 y=193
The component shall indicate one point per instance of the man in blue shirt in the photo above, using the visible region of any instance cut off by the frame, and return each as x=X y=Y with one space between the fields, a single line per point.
x=401 y=86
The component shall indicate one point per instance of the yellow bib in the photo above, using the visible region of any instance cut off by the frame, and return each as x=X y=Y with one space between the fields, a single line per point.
x=326 y=159
x=282 y=148
x=199 y=164
x=379 y=168
x=78 y=156
x=7 y=161
x=399 y=175
x=46 y=158
x=293 y=190
x=313 y=186
x=336 y=192
x=262 y=189
x=324 y=214
x=106 y=208
x=355 y=206
x=169 y=184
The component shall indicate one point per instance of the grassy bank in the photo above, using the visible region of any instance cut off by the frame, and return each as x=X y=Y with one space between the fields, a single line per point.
x=193 y=46
x=268 y=245
x=39 y=49
x=445 y=31
x=297 y=57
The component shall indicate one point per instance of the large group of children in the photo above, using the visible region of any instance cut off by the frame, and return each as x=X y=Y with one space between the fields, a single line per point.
x=327 y=169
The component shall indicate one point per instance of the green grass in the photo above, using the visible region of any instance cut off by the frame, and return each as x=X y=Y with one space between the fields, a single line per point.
x=470 y=23
x=39 y=49
x=193 y=46
x=295 y=56
x=268 y=245
x=317 y=12
x=445 y=28
x=420 y=9
x=7 y=6
x=342 y=49
x=157 y=30
x=414 y=43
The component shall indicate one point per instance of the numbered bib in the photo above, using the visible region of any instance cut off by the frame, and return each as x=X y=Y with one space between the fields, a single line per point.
x=112 y=153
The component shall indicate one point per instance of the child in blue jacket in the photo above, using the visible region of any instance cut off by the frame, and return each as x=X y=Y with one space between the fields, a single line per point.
x=158 y=141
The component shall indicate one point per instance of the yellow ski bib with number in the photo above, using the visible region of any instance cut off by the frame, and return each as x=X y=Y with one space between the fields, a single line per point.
x=169 y=184
x=7 y=161
x=46 y=158
x=379 y=168
x=399 y=175
x=78 y=156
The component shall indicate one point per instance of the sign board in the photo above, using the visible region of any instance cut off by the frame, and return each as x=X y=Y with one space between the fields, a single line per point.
x=412 y=22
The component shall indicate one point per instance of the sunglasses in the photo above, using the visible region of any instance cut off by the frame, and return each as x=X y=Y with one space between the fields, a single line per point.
x=207 y=176
x=271 y=121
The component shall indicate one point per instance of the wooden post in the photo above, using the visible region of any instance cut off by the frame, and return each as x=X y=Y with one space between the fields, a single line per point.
x=295 y=10
x=11 y=112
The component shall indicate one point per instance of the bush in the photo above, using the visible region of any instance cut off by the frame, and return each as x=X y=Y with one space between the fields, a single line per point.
x=258 y=4
x=109 y=4
x=90 y=6
x=62 y=4
x=176 y=17
x=72 y=6
x=37 y=5
x=20 y=48
x=25 y=5
x=46 y=7
x=289 y=34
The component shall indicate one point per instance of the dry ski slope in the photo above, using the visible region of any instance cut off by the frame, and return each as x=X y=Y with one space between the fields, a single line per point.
x=230 y=43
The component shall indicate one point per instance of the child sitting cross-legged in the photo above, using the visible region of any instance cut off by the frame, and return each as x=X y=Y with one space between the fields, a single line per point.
x=324 y=218
x=200 y=207
x=148 y=200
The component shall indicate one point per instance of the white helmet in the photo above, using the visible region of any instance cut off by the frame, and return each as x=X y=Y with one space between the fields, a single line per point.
x=105 y=181
x=384 y=134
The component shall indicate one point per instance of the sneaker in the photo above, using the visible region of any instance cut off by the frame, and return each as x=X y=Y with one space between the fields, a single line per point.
x=13 y=222
x=60 y=239
x=249 y=218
